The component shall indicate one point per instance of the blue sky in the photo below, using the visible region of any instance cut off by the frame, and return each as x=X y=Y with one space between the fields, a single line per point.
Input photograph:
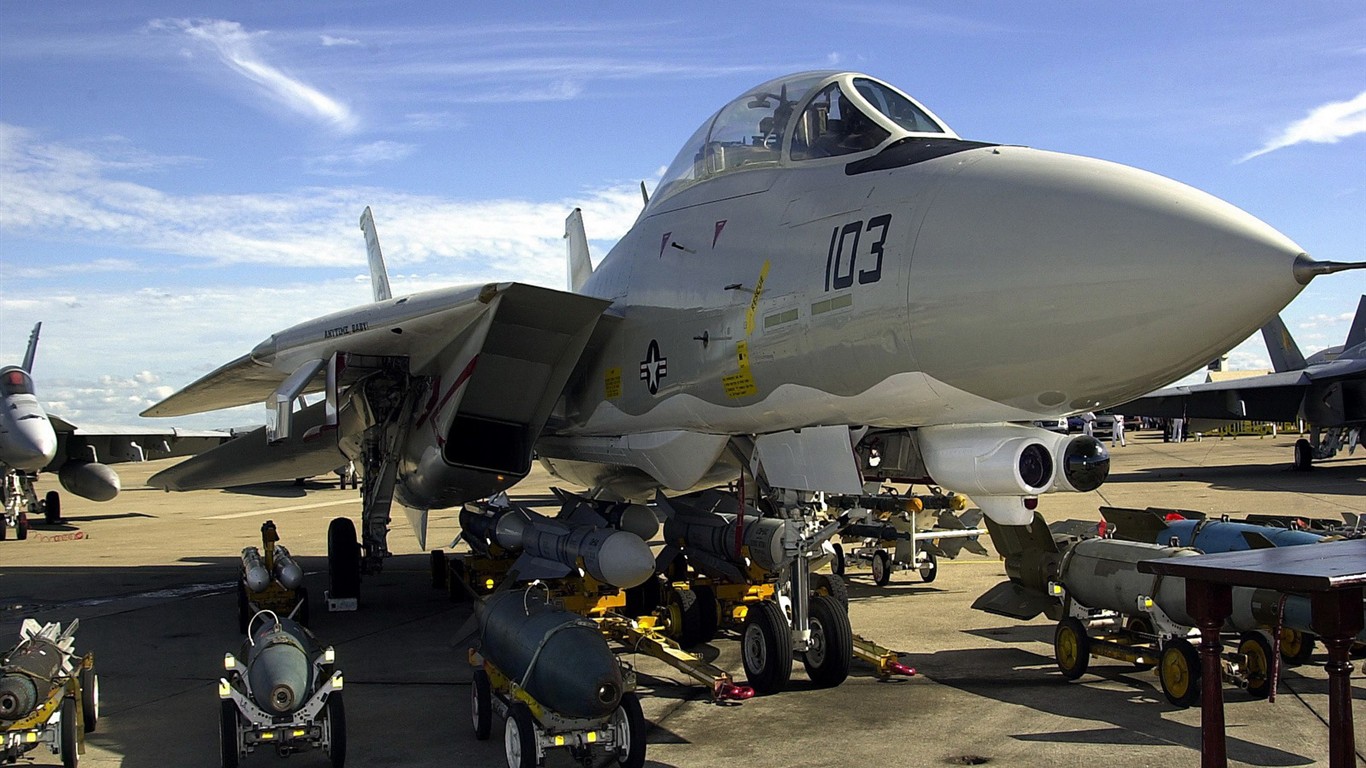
x=179 y=180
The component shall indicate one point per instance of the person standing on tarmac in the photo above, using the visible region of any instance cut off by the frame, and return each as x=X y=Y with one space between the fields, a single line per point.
x=1117 y=432
x=1088 y=424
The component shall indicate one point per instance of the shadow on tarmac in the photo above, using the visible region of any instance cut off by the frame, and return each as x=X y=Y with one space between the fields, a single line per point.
x=1329 y=478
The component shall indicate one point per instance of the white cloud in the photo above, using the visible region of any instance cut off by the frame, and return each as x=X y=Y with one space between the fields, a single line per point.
x=330 y=41
x=360 y=158
x=1326 y=124
x=237 y=48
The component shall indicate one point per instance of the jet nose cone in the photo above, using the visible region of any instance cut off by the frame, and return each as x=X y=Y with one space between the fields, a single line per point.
x=1120 y=280
x=31 y=444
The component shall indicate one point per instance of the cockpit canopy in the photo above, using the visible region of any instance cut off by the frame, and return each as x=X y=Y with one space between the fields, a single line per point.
x=15 y=381
x=797 y=119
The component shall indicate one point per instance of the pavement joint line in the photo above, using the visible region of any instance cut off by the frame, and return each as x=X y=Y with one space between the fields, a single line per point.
x=259 y=512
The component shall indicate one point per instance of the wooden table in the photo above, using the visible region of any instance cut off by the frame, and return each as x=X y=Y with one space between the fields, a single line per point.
x=1332 y=574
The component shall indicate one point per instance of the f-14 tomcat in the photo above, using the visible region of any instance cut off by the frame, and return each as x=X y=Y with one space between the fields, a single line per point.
x=825 y=272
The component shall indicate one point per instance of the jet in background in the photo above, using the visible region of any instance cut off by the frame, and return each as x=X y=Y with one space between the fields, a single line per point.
x=1327 y=391
x=32 y=441
x=827 y=282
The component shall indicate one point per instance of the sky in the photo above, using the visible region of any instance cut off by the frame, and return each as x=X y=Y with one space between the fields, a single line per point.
x=180 y=180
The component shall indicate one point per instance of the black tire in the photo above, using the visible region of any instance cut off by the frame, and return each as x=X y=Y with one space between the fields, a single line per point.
x=684 y=617
x=1179 y=673
x=71 y=756
x=930 y=568
x=52 y=508
x=1296 y=646
x=882 y=568
x=643 y=598
x=228 y=739
x=1072 y=648
x=1140 y=626
x=1257 y=649
x=481 y=704
x=4 y=527
x=832 y=585
x=708 y=613
x=21 y=530
x=439 y=569
x=629 y=722
x=243 y=608
x=766 y=648
x=90 y=699
x=1304 y=455
x=837 y=563
x=336 y=726
x=457 y=585
x=343 y=558
x=519 y=737
x=832 y=643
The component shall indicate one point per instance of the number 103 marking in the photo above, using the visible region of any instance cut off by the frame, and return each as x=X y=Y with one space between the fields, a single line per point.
x=844 y=250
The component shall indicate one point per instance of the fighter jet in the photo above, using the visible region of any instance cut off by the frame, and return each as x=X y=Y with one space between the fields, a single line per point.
x=825 y=271
x=32 y=441
x=1327 y=390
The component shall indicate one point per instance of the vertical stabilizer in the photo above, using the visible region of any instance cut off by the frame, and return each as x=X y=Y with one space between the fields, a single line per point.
x=379 y=277
x=1355 y=335
x=580 y=266
x=1285 y=355
x=32 y=348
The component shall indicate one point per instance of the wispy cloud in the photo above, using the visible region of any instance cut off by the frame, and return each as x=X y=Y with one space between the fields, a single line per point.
x=358 y=159
x=1326 y=124
x=237 y=48
x=330 y=41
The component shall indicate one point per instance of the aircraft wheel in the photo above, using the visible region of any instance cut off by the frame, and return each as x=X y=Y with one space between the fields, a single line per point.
x=643 y=598
x=766 y=648
x=439 y=569
x=52 y=508
x=21 y=530
x=1257 y=649
x=1179 y=673
x=628 y=722
x=832 y=643
x=831 y=584
x=837 y=563
x=70 y=752
x=1072 y=648
x=90 y=699
x=519 y=737
x=343 y=558
x=3 y=526
x=682 y=612
x=229 y=737
x=1143 y=630
x=929 y=568
x=336 y=729
x=481 y=704
x=882 y=568
x=1296 y=646
x=1304 y=455
x=708 y=613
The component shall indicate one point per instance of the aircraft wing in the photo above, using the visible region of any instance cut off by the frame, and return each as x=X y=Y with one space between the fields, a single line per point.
x=240 y=382
x=1272 y=397
x=111 y=444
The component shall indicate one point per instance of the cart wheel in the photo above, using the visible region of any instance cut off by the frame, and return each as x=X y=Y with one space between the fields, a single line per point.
x=52 y=508
x=837 y=563
x=882 y=568
x=481 y=704
x=766 y=648
x=1296 y=647
x=831 y=584
x=832 y=643
x=90 y=699
x=343 y=558
x=683 y=620
x=929 y=568
x=70 y=753
x=1179 y=673
x=519 y=737
x=336 y=729
x=1257 y=649
x=643 y=598
x=439 y=569
x=229 y=737
x=1072 y=648
x=243 y=608
x=1140 y=626
x=629 y=726
x=708 y=613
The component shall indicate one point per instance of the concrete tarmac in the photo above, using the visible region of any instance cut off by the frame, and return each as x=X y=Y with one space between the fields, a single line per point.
x=150 y=575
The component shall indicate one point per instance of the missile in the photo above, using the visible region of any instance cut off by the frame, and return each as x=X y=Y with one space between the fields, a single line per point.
x=32 y=669
x=552 y=549
x=1189 y=529
x=287 y=571
x=254 y=570
x=708 y=536
x=280 y=657
x=559 y=658
x=621 y=515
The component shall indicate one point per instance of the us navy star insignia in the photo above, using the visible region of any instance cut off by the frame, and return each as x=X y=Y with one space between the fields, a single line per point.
x=654 y=367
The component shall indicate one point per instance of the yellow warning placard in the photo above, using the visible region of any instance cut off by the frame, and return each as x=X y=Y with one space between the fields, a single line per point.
x=740 y=384
x=611 y=384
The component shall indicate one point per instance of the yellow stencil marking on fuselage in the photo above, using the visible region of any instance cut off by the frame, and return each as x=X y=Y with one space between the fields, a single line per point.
x=741 y=384
x=611 y=384
x=754 y=300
